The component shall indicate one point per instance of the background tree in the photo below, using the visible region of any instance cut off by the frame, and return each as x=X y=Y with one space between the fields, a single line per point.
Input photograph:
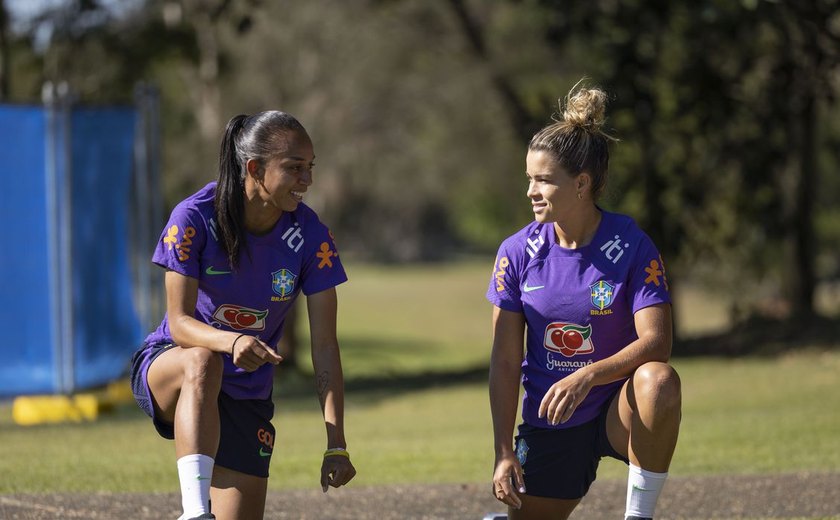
x=716 y=102
x=420 y=112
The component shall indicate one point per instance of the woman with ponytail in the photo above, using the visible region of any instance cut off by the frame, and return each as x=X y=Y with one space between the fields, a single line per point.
x=237 y=254
x=587 y=291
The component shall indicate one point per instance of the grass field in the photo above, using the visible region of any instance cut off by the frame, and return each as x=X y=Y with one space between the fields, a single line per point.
x=415 y=343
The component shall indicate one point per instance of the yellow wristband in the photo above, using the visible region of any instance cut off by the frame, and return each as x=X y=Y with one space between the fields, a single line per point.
x=336 y=452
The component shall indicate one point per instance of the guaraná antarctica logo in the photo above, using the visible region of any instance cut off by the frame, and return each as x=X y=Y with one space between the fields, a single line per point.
x=569 y=339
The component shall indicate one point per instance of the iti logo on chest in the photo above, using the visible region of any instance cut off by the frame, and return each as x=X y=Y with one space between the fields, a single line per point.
x=283 y=284
x=569 y=339
x=613 y=249
x=293 y=237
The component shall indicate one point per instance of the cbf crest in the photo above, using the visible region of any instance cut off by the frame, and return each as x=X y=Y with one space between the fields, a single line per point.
x=283 y=284
x=602 y=294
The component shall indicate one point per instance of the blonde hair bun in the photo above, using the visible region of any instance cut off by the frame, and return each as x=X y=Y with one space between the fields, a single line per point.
x=585 y=107
x=577 y=142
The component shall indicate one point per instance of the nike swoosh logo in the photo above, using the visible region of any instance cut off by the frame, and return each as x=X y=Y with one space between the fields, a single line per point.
x=534 y=288
x=637 y=488
x=202 y=478
x=212 y=271
x=264 y=453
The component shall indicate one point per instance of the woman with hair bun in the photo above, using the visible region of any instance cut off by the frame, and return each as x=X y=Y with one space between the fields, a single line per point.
x=587 y=291
x=237 y=254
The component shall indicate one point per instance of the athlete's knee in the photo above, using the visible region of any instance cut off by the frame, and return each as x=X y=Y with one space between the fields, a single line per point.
x=202 y=367
x=658 y=382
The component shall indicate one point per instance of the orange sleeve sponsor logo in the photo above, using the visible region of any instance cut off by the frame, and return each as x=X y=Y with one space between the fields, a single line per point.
x=171 y=238
x=501 y=270
x=186 y=242
x=656 y=273
x=182 y=246
x=326 y=255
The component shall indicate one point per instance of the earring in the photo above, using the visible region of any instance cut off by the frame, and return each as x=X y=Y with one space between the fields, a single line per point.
x=580 y=197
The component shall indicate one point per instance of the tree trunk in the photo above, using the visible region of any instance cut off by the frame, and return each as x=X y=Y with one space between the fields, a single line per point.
x=802 y=229
x=523 y=124
x=205 y=87
x=808 y=66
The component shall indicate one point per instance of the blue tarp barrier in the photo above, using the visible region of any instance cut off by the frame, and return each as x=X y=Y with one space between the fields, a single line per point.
x=67 y=316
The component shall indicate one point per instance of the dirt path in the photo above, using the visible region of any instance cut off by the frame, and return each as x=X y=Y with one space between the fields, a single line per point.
x=801 y=495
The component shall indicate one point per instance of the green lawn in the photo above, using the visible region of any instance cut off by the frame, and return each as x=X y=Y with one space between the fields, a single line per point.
x=398 y=320
x=413 y=340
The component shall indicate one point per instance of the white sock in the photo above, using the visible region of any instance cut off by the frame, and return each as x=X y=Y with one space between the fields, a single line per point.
x=643 y=488
x=195 y=472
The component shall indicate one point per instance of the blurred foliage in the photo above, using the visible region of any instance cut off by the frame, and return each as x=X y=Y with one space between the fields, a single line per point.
x=420 y=112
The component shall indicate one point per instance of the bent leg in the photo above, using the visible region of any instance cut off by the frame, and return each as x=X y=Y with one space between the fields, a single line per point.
x=643 y=421
x=237 y=496
x=184 y=384
x=543 y=508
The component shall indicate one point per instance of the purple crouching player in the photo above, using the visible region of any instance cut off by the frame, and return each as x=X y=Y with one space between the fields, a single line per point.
x=587 y=291
x=237 y=254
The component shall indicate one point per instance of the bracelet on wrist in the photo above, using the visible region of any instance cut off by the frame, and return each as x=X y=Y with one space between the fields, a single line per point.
x=336 y=452
x=233 y=345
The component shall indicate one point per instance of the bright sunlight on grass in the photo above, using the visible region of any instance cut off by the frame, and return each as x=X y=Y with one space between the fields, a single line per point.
x=418 y=337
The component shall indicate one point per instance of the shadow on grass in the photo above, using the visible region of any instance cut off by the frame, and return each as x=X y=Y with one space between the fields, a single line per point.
x=297 y=384
x=386 y=366
x=759 y=336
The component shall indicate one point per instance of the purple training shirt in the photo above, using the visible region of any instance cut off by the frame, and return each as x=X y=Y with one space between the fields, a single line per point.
x=297 y=255
x=578 y=303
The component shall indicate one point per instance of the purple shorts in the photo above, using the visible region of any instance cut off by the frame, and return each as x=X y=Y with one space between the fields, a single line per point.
x=246 y=439
x=140 y=362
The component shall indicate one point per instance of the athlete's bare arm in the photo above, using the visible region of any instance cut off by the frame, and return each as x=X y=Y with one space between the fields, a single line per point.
x=326 y=360
x=505 y=371
x=181 y=296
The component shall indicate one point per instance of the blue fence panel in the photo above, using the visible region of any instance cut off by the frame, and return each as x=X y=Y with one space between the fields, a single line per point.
x=106 y=327
x=67 y=311
x=27 y=321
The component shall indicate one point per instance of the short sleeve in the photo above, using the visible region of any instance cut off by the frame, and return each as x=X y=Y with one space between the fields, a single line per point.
x=504 y=291
x=648 y=279
x=181 y=243
x=322 y=268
